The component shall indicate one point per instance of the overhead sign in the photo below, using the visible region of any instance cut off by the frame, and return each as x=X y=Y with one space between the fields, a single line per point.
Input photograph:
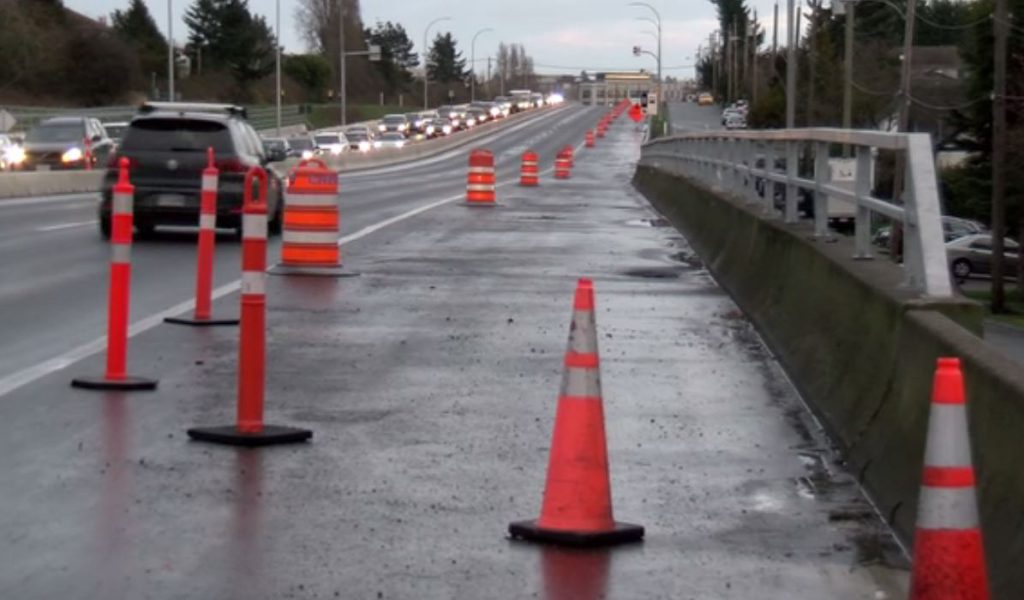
x=7 y=120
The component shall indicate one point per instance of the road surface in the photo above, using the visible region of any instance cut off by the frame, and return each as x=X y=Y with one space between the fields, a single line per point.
x=430 y=383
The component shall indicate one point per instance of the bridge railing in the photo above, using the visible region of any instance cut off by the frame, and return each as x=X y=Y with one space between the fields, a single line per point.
x=742 y=162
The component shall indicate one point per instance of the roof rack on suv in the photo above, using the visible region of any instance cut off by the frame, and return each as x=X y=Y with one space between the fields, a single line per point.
x=194 y=107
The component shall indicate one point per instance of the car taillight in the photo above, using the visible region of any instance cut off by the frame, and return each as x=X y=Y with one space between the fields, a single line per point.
x=231 y=165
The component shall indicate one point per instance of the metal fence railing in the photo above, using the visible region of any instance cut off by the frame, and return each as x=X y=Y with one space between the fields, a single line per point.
x=742 y=162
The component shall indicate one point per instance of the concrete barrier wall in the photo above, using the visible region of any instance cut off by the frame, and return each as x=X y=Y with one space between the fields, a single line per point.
x=21 y=185
x=862 y=352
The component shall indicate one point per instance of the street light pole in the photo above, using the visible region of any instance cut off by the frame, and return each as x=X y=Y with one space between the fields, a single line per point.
x=278 y=66
x=343 y=83
x=791 y=66
x=426 y=58
x=657 y=17
x=170 y=52
x=472 y=63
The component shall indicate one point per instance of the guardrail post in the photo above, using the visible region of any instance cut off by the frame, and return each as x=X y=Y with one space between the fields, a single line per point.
x=751 y=152
x=862 y=187
x=768 y=189
x=821 y=177
x=792 y=156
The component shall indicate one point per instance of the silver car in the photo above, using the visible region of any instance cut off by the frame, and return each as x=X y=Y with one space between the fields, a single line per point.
x=972 y=255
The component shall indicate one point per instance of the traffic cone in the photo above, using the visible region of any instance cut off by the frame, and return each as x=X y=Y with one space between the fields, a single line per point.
x=949 y=557
x=577 y=508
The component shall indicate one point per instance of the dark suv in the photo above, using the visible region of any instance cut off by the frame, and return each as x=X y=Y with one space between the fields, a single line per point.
x=166 y=145
x=61 y=143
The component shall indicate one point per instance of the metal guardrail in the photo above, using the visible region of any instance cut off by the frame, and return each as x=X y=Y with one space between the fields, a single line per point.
x=740 y=162
x=261 y=117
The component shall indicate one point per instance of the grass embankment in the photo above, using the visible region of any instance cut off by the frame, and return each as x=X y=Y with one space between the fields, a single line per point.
x=326 y=115
x=1014 y=305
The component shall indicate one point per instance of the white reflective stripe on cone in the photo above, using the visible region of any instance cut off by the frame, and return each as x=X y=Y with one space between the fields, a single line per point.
x=479 y=187
x=209 y=183
x=254 y=227
x=207 y=221
x=254 y=283
x=583 y=334
x=581 y=382
x=948 y=443
x=293 y=199
x=481 y=169
x=947 y=508
x=309 y=237
x=120 y=253
x=122 y=204
x=529 y=163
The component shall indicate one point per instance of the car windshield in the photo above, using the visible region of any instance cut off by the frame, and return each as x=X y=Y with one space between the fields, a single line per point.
x=392 y=137
x=356 y=136
x=301 y=143
x=327 y=139
x=274 y=144
x=116 y=131
x=177 y=135
x=394 y=119
x=64 y=132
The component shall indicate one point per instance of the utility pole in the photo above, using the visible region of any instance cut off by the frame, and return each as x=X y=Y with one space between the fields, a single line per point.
x=850 y=6
x=999 y=143
x=775 y=34
x=489 y=77
x=277 y=67
x=899 y=177
x=170 y=52
x=746 y=60
x=812 y=81
x=791 y=66
x=341 y=61
x=753 y=73
x=733 y=83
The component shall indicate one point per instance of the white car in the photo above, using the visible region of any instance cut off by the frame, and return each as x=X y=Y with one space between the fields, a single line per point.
x=735 y=121
x=333 y=143
x=391 y=140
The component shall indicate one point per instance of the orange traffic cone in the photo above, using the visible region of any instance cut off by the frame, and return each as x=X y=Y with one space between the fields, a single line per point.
x=577 y=507
x=949 y=558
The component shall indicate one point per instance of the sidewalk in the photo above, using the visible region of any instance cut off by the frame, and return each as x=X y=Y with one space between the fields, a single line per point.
x=430 y=383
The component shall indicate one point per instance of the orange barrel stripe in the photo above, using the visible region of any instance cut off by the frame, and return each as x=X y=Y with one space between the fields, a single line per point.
x=481 y=180
x=530 y=171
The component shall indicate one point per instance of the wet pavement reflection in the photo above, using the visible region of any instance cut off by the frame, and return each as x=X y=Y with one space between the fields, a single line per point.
x=575 y=574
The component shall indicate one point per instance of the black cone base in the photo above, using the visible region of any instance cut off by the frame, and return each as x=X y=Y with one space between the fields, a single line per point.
x=623 y=533
x=280 y=269
x=270 y=436
x=481 y=204
x=193 y=322
x=128 y=384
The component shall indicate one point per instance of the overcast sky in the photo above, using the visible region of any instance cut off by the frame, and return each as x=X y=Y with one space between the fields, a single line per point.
x=561 y=35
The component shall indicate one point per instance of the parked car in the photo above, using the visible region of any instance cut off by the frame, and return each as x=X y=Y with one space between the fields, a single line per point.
x=303 y=146
x=276 y=149
x=166 y=145
x=392 y=139
x=972 y=255
x=64 y=143
x=953 y=228
x=331 y=143
x=394 y=124
x=359 y=138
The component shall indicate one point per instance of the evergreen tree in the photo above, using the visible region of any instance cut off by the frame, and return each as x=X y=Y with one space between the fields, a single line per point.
x=227 y=35
x=136 y=27
x=446 y=64
x=397 y=55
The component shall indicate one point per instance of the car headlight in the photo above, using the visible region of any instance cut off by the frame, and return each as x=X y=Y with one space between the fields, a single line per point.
x=307 y=154
x=364 y=146
x=377 y=144
x=337 y=149
x=447 y=129
x=430 y=130
x=455 y=122
x=72 y=155
x=400 y=143
x=382 y=127
x=15 y=155
x=403 y=127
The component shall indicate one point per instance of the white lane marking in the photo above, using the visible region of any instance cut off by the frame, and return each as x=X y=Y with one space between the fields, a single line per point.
x=26 y=376
x=46 y=199
x=67 y=226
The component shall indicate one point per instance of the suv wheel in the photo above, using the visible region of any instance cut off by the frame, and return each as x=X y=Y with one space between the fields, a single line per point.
x=145 y=230
x=105 y=227
x=276 y=223
x=961 y=269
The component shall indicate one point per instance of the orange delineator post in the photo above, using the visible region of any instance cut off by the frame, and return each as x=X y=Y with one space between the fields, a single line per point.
x=203 y=315
x=563 y=166
x=530 y=175
x=250 y=430
x=481 y=181
x=577 y=506
x=122 y=223
x=312 y=222
x=949 y=556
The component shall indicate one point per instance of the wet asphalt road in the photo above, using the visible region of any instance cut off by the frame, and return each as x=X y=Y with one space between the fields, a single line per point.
x=430 y=383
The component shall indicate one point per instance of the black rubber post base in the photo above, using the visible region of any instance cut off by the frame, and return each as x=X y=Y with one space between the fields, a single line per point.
x=270 y=436
x=128 y=384
x=623 y=533
x=280 y=269
x=481 y=204
x=192 y=322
